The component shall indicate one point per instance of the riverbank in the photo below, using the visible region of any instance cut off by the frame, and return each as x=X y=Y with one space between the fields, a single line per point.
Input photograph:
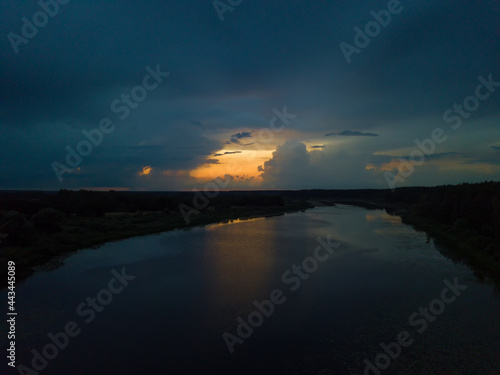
x=459 y=244
x=40 y=229
x=79 y=233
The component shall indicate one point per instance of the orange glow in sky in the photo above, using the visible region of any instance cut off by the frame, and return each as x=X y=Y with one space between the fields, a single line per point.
x=145 y=171
x=243 y=164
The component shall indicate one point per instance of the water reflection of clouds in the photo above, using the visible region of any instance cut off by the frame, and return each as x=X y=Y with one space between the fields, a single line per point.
x=384 y=216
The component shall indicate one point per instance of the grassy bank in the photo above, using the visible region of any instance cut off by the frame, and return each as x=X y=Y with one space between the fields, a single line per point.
x=463 y=246
x=50 y=249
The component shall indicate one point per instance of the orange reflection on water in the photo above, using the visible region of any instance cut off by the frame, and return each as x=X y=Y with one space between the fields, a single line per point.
x=384 y=216
x=238 y=263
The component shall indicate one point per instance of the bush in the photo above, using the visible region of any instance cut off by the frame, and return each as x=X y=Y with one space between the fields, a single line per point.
x=48 y=220
x=15 y=225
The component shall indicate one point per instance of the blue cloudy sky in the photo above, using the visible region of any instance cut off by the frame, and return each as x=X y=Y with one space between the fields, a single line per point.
x=220 y=111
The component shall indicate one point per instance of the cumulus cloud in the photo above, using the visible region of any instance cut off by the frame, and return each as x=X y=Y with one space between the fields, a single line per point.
x=289 y=163
x=332 y=167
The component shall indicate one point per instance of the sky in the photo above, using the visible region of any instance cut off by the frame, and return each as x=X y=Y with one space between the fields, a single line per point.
x=170 y=95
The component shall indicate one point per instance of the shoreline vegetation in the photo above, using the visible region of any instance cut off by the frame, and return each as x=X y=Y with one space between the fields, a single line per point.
x=38 y=230
x=42 y=240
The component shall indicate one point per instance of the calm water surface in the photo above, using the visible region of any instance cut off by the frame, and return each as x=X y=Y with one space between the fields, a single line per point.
x=191 y=286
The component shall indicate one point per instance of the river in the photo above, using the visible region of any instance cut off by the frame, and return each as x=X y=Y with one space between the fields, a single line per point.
x=174 y=303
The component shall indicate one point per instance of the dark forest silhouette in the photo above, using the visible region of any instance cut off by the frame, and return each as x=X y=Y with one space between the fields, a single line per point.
x=36 y=226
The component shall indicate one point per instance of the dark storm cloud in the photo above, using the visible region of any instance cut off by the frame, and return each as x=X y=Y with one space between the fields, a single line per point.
x=351 y=133
x=460 y=157
x=200 y=124
x=492 y=159
x=235 y=138
x=228 y=153
x=229 y=76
